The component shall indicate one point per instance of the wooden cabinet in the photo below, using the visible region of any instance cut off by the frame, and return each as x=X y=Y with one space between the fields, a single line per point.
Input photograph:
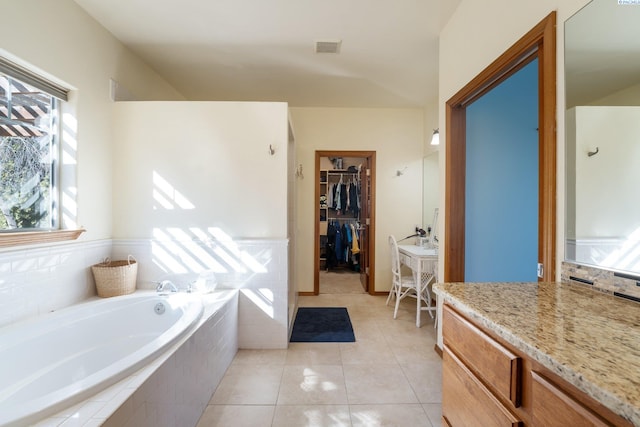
x=466 y=401
x=481 y=378
x=491 y=361
x=552 y=407
x=487 y=383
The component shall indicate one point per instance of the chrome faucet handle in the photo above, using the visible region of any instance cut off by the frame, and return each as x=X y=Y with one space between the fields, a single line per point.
x=164 y=283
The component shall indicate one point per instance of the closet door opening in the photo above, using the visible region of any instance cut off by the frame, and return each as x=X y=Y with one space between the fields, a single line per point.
x=344 y=223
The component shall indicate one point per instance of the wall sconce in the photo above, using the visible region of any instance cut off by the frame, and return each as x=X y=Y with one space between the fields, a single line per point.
x=435 y=139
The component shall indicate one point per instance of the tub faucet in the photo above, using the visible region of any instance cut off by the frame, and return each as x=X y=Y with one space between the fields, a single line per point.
x=164 y=284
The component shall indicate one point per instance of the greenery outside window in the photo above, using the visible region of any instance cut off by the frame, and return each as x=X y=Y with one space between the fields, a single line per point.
x=27 y=157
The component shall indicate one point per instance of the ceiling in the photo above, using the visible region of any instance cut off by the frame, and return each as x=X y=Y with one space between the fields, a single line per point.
x=264 y=50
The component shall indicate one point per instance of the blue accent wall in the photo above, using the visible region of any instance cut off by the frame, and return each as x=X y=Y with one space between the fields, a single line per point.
x=501 y=207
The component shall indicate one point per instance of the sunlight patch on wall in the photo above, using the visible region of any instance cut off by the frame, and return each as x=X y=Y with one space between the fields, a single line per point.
x=167 y=196
x=68 y=164
x=262 y=298
x=177 y=251
x=193 y=255
x=627 y=256
x=68 y=140
x=230 y=251
x=69 y=207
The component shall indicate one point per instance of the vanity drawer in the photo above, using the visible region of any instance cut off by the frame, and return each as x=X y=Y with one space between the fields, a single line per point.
x=493 y=363
x=552 y=407
x=466 y=402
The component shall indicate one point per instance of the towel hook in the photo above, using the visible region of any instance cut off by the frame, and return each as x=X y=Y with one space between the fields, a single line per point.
x=593 y=153
x=271 y=150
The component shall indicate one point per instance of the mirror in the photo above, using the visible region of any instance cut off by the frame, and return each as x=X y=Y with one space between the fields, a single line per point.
x=430 y=177
x=602 y=78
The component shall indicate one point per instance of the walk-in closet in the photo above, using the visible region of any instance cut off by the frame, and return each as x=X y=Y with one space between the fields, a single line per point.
x=343 y=221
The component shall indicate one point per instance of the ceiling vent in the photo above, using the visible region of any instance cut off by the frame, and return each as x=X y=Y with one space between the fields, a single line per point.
x=328 y=46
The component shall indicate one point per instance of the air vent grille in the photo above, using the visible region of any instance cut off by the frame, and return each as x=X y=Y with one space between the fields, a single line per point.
x=328 y=46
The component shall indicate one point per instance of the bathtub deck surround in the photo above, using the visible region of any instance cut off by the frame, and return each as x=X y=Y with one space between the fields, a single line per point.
x=39 y=280
x=174 y=388
x=64 y=357
x=587 y=338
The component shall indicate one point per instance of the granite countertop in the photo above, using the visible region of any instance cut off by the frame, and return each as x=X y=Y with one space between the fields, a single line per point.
x=589 y=338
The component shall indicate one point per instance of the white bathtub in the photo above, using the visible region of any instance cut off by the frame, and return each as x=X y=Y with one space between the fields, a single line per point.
x=53 y=361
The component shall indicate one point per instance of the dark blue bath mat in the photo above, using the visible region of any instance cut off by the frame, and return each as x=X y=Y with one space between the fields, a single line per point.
x=322 y=324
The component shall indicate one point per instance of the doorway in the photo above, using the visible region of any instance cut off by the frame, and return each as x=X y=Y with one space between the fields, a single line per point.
x=501 y=203
x=344 y=222
x=539 y=43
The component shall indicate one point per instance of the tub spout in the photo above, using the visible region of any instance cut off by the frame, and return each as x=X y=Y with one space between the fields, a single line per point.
x=166 y=284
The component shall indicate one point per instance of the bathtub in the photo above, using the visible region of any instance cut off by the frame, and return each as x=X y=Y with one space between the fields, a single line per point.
x=64 y=357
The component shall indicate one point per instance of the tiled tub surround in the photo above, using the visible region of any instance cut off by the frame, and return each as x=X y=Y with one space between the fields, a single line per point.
x=175 y=388
x=255 y=267
x=38 y=280
x=588 y=338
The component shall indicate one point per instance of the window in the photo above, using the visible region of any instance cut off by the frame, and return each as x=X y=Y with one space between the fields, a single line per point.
x=28 y=149
x=29 y=106
x=27 y=157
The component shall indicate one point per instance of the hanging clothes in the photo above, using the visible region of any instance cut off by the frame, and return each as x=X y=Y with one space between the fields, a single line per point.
x=343 y=196
x=330 y=247
x=347 y=242
x=330 y=194
x=339 y=247
x=355 y=248
x=353 y=199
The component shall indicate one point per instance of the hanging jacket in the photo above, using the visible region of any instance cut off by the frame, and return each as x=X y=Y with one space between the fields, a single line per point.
x=353 y=199
x=339 y=245
x=355 y=248
x=343 y=197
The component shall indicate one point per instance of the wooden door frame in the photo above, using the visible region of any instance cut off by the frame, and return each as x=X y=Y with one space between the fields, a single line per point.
x=538 y=43
x=371 y=156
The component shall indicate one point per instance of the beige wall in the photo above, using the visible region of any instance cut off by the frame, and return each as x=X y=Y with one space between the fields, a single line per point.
x=62 y=41
x=396 y=135
x=183 y=166
x=479 y=32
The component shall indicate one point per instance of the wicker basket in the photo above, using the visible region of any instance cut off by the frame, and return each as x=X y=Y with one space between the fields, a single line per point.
x=114 y=278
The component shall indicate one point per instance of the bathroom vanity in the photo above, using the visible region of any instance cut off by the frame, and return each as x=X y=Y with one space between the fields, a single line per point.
x=538 y=354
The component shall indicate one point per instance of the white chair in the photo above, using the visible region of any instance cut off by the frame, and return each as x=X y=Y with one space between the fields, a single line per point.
x=401 y=286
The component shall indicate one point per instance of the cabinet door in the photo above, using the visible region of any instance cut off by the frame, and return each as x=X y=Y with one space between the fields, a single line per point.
x=552 y=407
x=466 y=402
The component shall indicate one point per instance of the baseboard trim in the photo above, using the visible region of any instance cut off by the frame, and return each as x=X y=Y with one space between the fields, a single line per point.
x=438 y=350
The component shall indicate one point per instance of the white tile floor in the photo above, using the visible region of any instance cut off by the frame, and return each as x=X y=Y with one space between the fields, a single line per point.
x=391 y=375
